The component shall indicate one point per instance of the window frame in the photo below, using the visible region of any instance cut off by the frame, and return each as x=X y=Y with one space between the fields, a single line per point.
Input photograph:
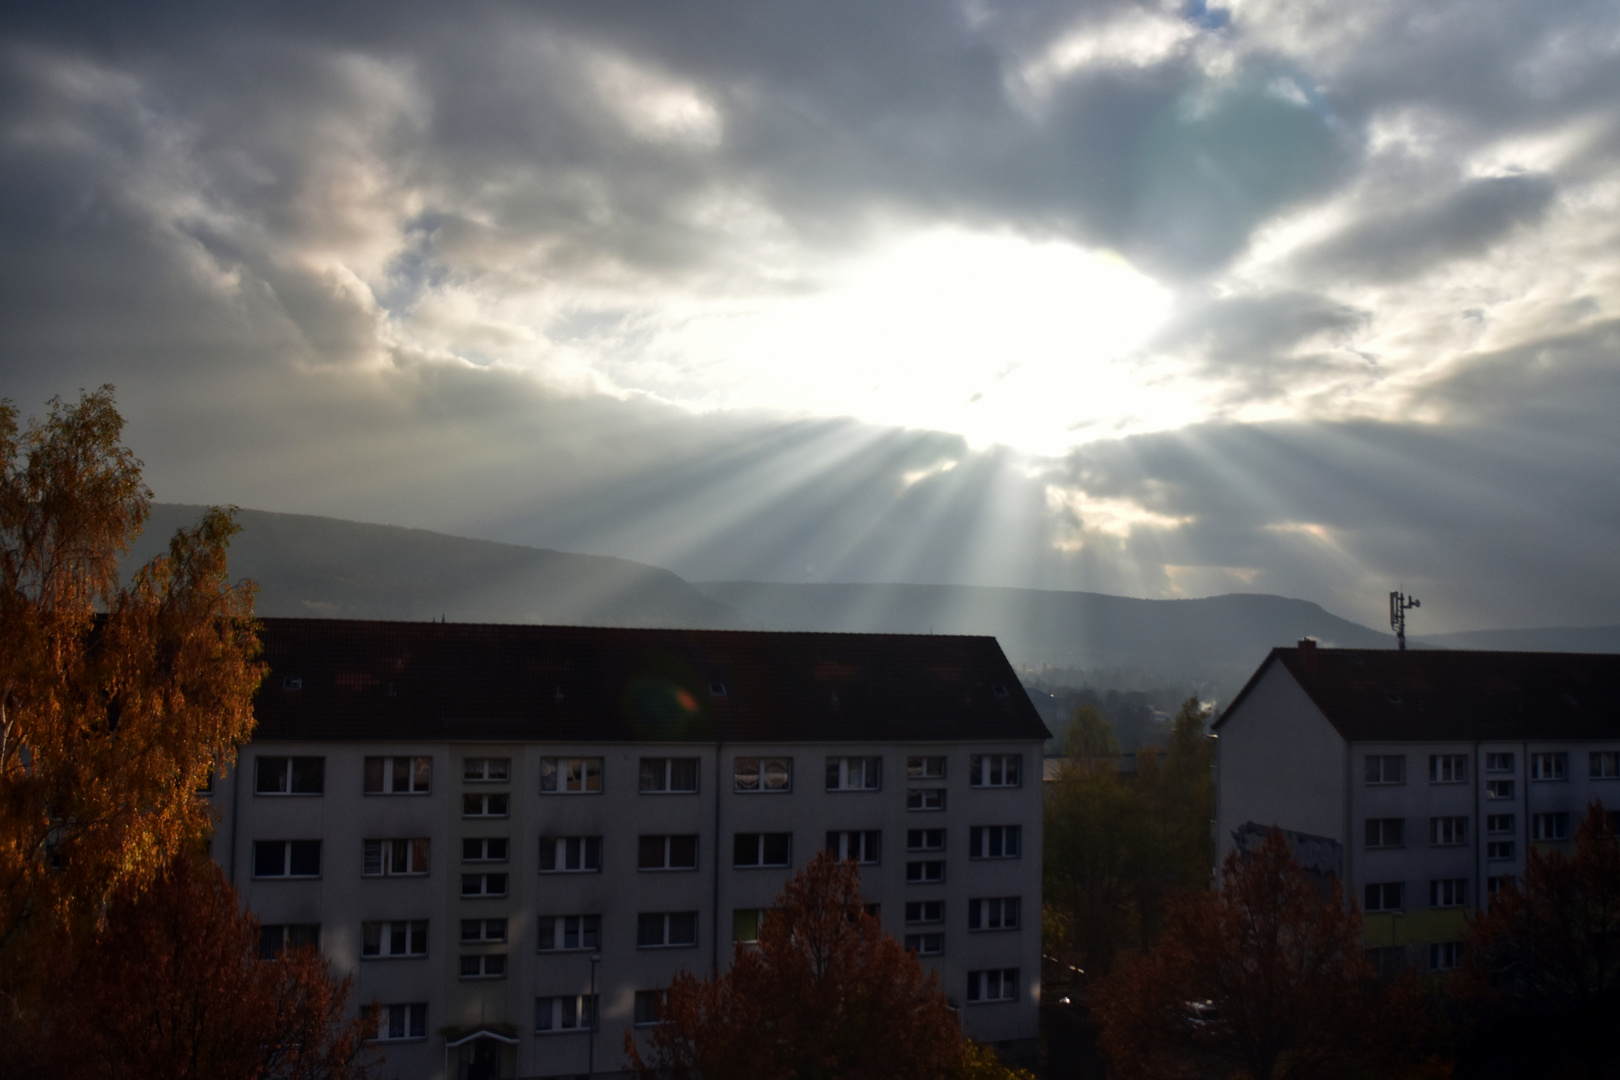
x=741 y=918
x=925 y=872
x=1448 y=768
x=559 y=854
x=485 y=878
x=412 y=930
x=668 y=776
x=989 y=771
x=483 y=937
x=585 y=1011
x=1448 y=831
x=486 y=766
x=978 y=983
x=418 y=851
x=760 y=841
x=1500 y=761
x=1379 y=775
x=1382 y=827
x=558 y=772
x=922 y=766
x=1551 y=827
x=867 y=845
x=1603 y=765
x=484 y=843
x=980 y=921
x=923 y=839
x=287 y=860
x=667 y=845
x=485 y=800
x=1501 y=850
x=289 y=776
x=413 y=1022
x=1448 y=892
x=1445 y=955
x=483 y=962
x=1010 y=839
x=647 y=1008
x=1549 y=767
x=587 y=931
x=666 y=940
x=924 y=912
x=841 y=770
x=1384 y=894
x=288 y=936
x=1500 y=789
x=417 y=767
x=917 y=800
x=925 y=943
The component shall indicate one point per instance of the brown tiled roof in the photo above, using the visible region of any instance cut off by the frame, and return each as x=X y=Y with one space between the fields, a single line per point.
x=1437 y=695
x=399 y=680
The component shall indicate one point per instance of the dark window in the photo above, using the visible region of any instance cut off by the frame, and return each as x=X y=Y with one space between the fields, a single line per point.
x=666 y=929
x=290 y=776
x=762 y=849
x=994 y=841
x=667 y=853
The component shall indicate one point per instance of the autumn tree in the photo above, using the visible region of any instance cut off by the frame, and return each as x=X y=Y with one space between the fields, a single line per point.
x=172 y=988
x=1266 y=980
x=1541 y=972
x=826 y=994
x=117 y=700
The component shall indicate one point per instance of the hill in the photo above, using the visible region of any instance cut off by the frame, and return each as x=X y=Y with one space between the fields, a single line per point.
x=318 y=566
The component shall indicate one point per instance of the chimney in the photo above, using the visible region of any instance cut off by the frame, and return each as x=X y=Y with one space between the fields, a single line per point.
x=1307 y=655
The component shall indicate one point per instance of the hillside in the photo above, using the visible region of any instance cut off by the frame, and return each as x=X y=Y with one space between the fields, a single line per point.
x=346 y=569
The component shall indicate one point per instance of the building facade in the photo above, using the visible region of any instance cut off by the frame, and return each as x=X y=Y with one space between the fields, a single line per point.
x=480 y=823
x=1435 y=772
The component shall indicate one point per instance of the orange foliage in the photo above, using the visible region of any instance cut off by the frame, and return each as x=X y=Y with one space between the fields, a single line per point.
x=826 y=994
x=172 y=989
x=1265 y=979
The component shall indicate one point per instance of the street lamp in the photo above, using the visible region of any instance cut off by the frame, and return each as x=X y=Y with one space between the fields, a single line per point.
x=590 y=1066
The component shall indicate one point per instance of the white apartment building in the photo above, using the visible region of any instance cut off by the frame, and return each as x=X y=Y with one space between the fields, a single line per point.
x=480 y=823
x=1434 y=771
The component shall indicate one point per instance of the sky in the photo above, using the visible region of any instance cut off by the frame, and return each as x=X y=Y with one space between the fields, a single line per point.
x=1162 y=300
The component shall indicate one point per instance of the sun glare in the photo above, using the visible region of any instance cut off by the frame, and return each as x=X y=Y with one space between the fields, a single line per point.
x=999 y=338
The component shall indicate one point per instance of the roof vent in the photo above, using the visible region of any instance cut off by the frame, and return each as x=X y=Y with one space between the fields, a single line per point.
x=718 y=689
x=998 y=690
x=292 y=682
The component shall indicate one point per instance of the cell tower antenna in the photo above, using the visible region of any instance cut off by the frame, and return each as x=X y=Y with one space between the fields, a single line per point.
x=1398 y=607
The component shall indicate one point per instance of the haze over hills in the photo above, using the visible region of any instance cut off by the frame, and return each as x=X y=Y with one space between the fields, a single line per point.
x=328 y=567
x=345 y=569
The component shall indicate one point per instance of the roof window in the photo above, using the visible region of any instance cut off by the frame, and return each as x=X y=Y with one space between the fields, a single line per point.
x=292 y=682
x=718 y=689
x=998 y=690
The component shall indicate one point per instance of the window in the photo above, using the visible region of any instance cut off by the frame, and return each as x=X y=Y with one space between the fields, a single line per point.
x=399 y=775
x=926 y=944
x=649 y=1007
x=396 y=1022
x=1385 y=832
x=483 y=966
x=571 y=776
x=1549 y=826
x=393 y=939
x=1448 y=768
x=1386 y=769
x=484 y=849
x=1499 y=789
x=474 y=886
x=1494 y=885
x=492 y=805
x=289 y=776
x=560 y=933
x=995 y=770
x=745 y=924
x=669 y=775
x=1603 y=765
x=1443 y=956
x=1499 y=823
x=286 y=858
x=762 y=849
x=994 y=841
x=483 y=930
x=925 y=768
x=1448 y=831
x=1549 y=766
x=1448 y=892
x=854 y=773
x=576 y=1012
x=865 y=847
x=1499 y=849
x=771 y=774
x=920 y=912
x=273 y=937
x=993 y=913
x=925 y=839
x=666 y=929
x=486 y=770
x=570 y=854
x=667 y=853
x=997 y=984
x=1498 y=762
x=393 y=858
x=925 y=873
x=925 y=798
x=1385 y=896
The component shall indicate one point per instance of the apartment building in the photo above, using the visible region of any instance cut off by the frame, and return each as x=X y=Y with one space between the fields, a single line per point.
x=483 y=823
x=1435 y=772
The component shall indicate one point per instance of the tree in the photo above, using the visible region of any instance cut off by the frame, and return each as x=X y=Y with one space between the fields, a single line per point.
x=1090 y=735
x=826 y=994
x=117 y=701
x=1265 y=979
x=172 y=988
x=1541 y=973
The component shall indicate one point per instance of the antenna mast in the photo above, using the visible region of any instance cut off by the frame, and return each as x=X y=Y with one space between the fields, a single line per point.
x=1398 y=607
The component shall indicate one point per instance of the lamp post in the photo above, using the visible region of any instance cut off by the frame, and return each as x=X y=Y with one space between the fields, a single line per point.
x=590 y=1066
